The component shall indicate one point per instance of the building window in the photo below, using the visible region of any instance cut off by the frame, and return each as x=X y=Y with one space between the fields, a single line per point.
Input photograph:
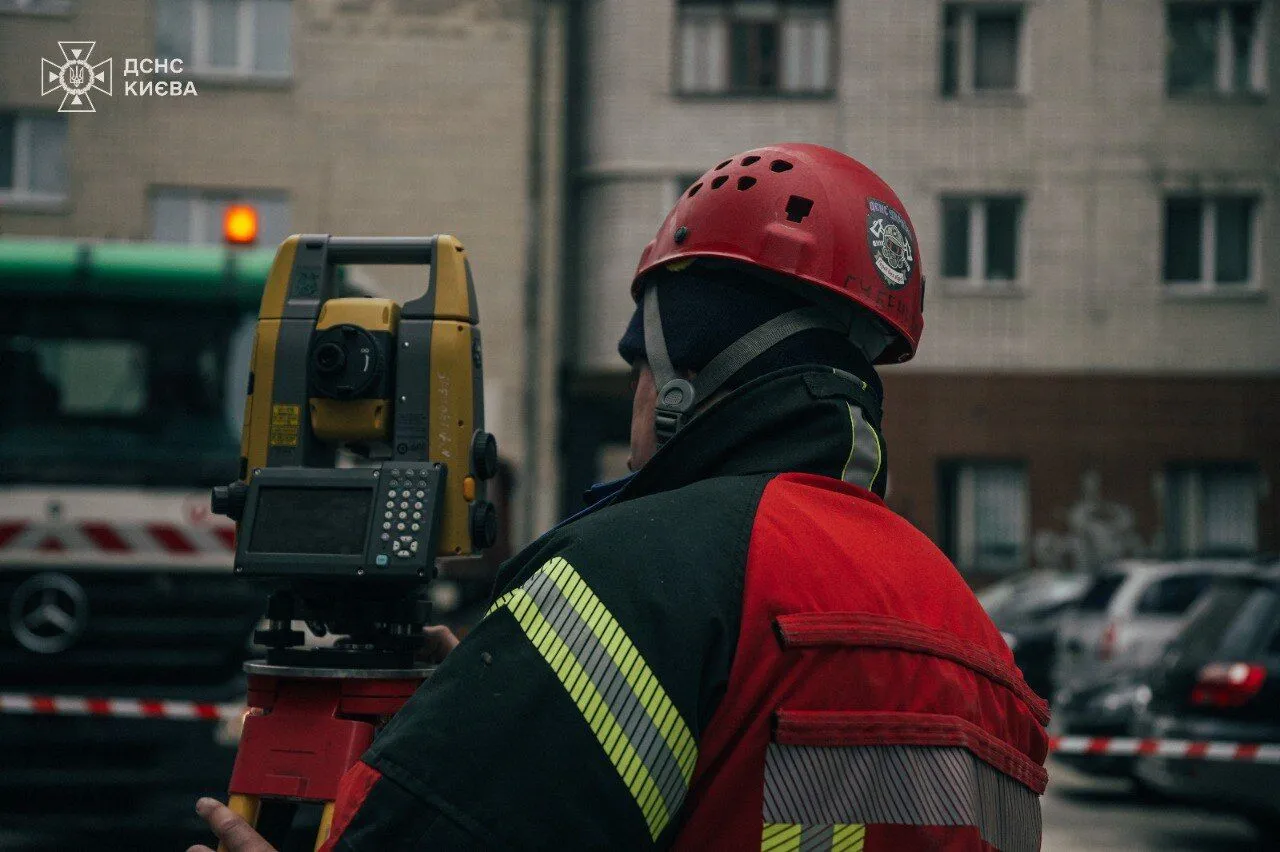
x=33 y=158
x=984 y=514
x=195 y=215
x=1209 y=242
x=233 y=38
x=981 y=49
x=1217 y=48
x=980 y=240
x=756 y=46
x=1212 y=509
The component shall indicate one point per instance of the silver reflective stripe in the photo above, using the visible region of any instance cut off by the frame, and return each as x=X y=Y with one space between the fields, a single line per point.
x=864 y=462
x=904 y=785
x=636 y=723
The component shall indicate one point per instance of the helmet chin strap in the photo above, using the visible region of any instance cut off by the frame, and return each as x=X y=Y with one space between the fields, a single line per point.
x=678 y=397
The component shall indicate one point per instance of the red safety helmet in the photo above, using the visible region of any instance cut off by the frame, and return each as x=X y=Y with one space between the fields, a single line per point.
x=810 y=213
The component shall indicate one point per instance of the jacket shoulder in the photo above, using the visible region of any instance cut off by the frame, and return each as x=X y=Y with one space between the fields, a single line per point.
x=703 y=524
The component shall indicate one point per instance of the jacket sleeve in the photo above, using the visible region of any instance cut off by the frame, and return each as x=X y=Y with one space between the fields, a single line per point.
x=570 y=716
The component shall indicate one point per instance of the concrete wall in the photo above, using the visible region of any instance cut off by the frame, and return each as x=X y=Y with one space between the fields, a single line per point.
x=1093 y=144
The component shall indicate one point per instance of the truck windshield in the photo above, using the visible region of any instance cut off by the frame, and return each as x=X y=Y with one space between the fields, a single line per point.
x=121 y=393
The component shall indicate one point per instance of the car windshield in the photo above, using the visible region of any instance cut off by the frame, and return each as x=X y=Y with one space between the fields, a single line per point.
x=1173 y=595
x=1236 y=618
x=130 y=393
x=1100 y=593
x=1031 y=593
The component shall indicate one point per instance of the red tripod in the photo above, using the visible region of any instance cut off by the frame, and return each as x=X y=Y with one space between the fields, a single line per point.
x=306 y=728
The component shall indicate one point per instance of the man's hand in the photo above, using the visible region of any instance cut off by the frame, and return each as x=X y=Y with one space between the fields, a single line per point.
x=440 y=642
x=234 y=833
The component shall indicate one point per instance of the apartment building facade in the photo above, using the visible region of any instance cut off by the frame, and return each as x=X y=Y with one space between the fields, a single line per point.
x=360 y=117
x=1094 y=184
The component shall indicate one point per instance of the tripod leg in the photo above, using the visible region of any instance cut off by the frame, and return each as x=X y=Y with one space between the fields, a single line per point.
x=245 y=807
x=326 y=825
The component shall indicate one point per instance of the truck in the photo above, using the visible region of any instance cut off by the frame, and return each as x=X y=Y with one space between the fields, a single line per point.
x=122 y=375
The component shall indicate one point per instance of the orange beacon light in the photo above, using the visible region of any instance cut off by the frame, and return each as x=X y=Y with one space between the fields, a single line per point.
x=240 y=224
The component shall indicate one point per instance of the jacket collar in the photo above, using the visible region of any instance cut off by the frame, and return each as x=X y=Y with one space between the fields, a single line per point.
x=800 y=420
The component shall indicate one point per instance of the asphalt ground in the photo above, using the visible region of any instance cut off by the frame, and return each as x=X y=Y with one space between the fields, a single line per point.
x=1081 y=814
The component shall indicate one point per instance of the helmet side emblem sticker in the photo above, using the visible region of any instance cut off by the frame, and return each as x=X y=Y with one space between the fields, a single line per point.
x=891 y=249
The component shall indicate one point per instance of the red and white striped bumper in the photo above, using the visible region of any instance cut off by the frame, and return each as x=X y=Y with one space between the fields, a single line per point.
x=117 y=538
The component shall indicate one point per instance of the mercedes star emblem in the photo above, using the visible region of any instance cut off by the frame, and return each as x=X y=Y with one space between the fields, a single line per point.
x=48 y=613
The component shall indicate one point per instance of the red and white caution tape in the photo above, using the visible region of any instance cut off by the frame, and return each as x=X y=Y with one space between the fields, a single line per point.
x=129 y=708
x=137 y=708
x=1189 y=749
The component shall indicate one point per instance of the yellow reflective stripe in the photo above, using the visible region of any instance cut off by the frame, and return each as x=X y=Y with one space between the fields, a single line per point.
x=848 y=838
x=792 y=837
x=879 y=455
x=583 y=692
x=853 y=444
x=501 y=602
x=653 y=698
x=780 y=837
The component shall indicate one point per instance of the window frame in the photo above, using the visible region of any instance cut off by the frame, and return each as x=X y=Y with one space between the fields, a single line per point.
x=977 y=281
x=20 y=196
x=1207 y=284
x=202 y=201
x=967 y=50
x=721 y=12
x=1194 y=505
x=957 y=484
x=246 y=42
x=1224 y=53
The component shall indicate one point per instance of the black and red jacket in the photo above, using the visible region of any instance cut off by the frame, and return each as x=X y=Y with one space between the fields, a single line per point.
x=744 y=649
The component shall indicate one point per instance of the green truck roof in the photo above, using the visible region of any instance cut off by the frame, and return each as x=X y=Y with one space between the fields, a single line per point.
x=142 y=271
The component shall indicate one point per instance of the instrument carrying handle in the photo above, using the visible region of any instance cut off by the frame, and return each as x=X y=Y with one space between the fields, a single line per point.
x=409 y=251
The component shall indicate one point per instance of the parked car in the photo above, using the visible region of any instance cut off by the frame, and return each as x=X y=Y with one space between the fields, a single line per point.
x=1109 y=642
x=1028 y=609
x=1107 y=708
x=1128 y=616
x=1220 y=681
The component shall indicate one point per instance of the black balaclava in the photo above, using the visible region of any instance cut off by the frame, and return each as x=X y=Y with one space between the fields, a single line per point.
x=706 y=308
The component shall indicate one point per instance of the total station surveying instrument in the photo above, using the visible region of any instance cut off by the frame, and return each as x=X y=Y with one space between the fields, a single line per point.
x=350 y=550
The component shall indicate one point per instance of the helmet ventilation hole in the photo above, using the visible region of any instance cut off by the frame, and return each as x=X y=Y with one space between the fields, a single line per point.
x=745 y=183
x=722 y=165
x=719 y=182
x=780 y=166
x=750 y=161
x=798 y=207
x=693 y=190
